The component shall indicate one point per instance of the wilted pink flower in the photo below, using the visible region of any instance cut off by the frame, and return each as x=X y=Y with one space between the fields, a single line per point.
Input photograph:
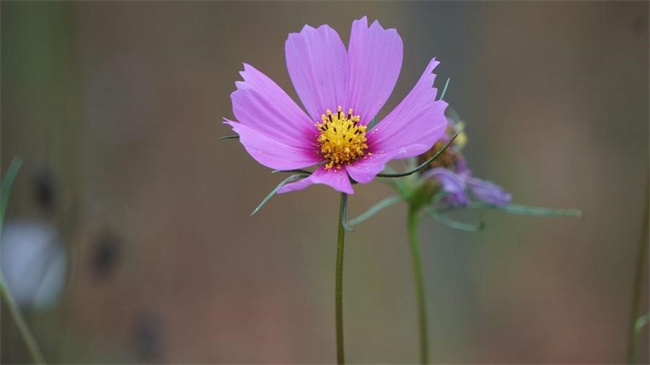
x=342 y=91
x=455 y=177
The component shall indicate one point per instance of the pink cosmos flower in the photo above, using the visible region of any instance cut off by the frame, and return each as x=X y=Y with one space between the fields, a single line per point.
x=342 y=91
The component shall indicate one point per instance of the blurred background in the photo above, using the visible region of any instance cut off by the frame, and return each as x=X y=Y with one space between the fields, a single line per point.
x=128 y=237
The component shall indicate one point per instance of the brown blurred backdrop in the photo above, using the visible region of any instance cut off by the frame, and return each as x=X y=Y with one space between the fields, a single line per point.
x=116 y=108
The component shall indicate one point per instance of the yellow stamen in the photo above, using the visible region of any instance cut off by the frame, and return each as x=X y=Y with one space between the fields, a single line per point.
x=461 y=140
x=342 y=139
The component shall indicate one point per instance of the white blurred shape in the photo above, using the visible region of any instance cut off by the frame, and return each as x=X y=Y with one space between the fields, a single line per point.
x=33 y=263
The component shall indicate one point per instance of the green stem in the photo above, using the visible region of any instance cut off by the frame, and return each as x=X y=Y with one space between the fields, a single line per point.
x=424 y=164
x=7 y=184
x=418 y=276
x=37 y=357
x=340 y=353
x=642 y=257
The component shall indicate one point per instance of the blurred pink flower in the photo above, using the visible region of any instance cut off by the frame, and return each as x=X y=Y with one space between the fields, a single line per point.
x=455 y=177
x=342 y=91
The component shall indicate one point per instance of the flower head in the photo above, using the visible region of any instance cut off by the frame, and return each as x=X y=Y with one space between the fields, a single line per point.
x=342 y=92
x=455 y=179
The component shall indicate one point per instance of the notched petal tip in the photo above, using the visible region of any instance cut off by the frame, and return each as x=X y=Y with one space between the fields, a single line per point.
x=376 y=25
x=308 y=29
x=249 y=72
x=245 y=69
x=432 y=64
x=361 y=21
x=239 y=85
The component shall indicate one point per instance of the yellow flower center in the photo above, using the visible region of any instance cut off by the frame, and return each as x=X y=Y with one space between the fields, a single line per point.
x=342 y=140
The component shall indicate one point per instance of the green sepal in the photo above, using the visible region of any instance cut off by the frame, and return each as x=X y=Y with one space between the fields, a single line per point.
x=467 y=227
x=230 y=136
x=296 y=171
x=444 y=89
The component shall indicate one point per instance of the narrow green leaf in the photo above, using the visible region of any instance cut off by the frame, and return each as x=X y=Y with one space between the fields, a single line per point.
x=301 y=171
x=372 y=123
x=424 y=164
x=230 y=136
x=270 y=195
x=296 y=171
x=641 y=322
x=467 y=227
x=528 y=210
x=444 y=89
x=374 y=210
x=7 y=183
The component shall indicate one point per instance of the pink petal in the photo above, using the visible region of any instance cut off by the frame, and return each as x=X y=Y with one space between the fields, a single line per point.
x=418 y=120
x=452 y=184
x=262 y=105
x=317 y=64
x=336 y=178
x=375 y=60
x=271 y=152
x=489 y=192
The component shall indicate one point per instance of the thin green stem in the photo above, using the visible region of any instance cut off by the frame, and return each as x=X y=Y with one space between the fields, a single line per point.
x=32 y=347
x=642 y=257
x=424 y=164
x=7 y=184
x=418 y=276
x=340 y=353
